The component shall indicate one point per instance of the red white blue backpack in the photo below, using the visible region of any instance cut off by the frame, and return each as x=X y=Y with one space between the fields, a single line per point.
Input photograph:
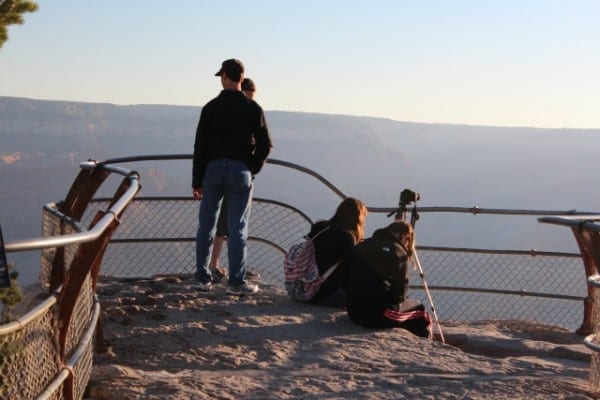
x=302 y=278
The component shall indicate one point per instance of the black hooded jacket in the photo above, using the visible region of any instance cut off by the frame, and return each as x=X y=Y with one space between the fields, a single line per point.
x=377 y=275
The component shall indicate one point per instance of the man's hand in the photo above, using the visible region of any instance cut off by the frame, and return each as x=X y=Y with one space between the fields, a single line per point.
x=197 y=193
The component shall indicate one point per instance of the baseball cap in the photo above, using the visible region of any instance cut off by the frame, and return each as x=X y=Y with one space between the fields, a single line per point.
x=233 y=68
x=248 y=85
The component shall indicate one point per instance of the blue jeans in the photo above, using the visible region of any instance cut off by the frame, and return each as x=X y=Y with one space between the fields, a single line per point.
x=230 y=180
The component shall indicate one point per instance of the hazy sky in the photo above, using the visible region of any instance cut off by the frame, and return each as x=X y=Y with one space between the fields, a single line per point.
x=483 y=62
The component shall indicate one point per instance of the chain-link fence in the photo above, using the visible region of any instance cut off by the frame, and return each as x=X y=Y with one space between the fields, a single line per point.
x=157 y=237
x=471 y=285
x=29 y=357
x=47 y=353
x=43 y=357
x=30 y=360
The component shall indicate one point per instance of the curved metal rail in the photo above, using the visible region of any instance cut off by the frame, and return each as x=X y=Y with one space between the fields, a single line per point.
x=97 y=230
x=580 y=222
x=470 y=210
x=54 y=341
x=65 y=376
x=84 y=345
x=475 y=210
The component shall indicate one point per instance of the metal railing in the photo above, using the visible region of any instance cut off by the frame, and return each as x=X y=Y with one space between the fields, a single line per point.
x=48 y=352
x=468 y=283
x=587 y=235
x=158 y=237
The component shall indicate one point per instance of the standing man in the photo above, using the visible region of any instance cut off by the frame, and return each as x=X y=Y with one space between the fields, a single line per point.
x=232 y=144
x=217 y=272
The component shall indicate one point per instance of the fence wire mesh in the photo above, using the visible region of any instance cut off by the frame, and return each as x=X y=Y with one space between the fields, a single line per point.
x=524 y=274
x=82 y=314
x=30 y=354
x=157 y=237
x=56 y=224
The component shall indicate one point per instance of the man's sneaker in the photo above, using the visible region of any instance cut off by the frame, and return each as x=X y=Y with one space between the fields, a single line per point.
x=246 y=288
x=204 y=287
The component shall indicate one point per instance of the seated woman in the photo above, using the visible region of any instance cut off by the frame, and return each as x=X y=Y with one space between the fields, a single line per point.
x=378 y=282
x=334 y=239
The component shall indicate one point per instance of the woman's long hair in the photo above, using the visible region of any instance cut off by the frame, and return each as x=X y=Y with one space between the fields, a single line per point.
x=351 y=215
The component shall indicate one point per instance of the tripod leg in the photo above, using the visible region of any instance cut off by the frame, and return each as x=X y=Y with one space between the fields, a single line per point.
x=422 y=275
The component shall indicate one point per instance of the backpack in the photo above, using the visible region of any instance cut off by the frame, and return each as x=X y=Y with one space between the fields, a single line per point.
x=302 y=278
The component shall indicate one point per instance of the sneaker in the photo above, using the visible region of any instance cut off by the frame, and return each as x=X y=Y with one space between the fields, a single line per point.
x=204 y=287
x=246 y=288
x=218 y=274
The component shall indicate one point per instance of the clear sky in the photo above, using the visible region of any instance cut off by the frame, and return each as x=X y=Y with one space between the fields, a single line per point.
x=481 y=62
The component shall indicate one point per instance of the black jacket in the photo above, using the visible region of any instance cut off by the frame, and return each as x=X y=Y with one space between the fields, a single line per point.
x=231 y=126
x=331 y=246
x=377 y=275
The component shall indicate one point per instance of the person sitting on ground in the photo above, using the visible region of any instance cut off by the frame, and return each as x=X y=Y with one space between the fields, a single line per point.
x=334 y=239
x=378 y=282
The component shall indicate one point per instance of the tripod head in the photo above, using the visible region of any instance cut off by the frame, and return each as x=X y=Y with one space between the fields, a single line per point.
x=407 y=197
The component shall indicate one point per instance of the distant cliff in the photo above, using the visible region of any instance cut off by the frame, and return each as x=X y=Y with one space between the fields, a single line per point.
x=42 y=142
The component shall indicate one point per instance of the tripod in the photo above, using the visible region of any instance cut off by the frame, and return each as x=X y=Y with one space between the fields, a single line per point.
x=406 y=197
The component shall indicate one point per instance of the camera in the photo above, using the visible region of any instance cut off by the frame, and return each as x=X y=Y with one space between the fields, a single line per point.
x=408 y=196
